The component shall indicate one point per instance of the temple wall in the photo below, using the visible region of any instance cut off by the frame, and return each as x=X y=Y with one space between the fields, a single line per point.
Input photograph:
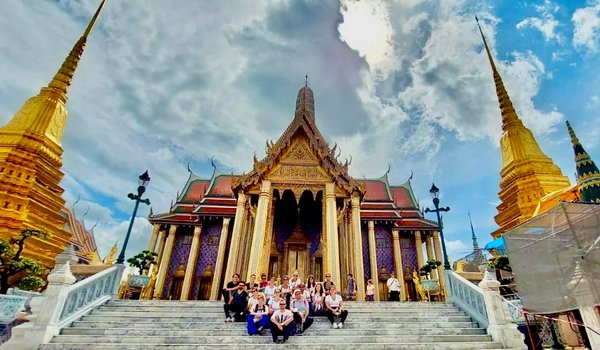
x=209 y=247
x=409 y=253
x=385 y=252
x=365 y=249
x=181 y=250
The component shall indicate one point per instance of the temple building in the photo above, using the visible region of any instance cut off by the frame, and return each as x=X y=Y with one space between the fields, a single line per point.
x=527 y=173
x=30 y=163
x=298 y=209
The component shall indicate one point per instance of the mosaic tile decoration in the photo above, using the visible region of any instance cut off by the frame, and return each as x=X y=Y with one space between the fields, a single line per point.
x=385 y=250
x=409 y=253
x=365 y=246
x=181 y=250
x=207 y=254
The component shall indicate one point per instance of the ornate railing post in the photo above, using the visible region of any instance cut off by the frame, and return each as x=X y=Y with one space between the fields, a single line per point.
x=43 y=325
x=500 y=326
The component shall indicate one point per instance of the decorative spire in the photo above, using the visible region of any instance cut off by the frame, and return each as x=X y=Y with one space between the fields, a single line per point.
x=64 y=77
x=588 y=176
x=509 y=115
x=473 y=237
x=305 y=103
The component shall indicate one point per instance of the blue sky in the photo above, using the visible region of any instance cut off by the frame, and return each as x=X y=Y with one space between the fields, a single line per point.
x=164 y=83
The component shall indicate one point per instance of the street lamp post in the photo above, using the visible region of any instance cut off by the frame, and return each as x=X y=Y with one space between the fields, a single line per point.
x=435 y=193
x=143 y=182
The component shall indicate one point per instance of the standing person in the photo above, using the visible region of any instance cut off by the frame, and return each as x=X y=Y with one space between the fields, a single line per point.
x=334 y=307
x=237 y=303
x=351 y=287
x=258 y=319
x=281 y=323
x=394 y=287
x=370 y=296
x=300 y=309
x=230 y=287
x=317 y=299
x=310 y=283
x=252 y=283
x=328 y=283
x=295 y=281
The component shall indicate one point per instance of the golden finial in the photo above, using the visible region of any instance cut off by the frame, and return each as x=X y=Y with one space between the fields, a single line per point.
x=63 y=78
x=574 y=138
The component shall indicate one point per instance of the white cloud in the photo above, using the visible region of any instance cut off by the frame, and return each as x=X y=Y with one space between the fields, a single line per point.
x=586 y=20
x=457 y=249
x=546 y=24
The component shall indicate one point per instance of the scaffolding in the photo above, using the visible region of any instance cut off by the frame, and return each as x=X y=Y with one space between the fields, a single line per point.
x=555 y=258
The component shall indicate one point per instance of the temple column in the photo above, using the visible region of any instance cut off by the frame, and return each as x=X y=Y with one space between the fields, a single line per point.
x=398 y=262
x=333 y=252
x=161 y=246
x=260 y=228
x=373 y=257
x=216 y=284
x=154 y=238
x=234 y=248
x=430 y=255
x=419 y=246
x=164 y=262
x=438 y=253
x=191 y=264
x=356 y=250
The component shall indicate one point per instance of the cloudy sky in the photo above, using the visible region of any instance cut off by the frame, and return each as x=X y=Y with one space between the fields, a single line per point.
x=163 y=83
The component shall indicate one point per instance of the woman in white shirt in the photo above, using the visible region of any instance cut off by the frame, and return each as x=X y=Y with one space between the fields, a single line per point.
x=270 y=289
x=317 y=299
x=273 y=303
x=334 y=307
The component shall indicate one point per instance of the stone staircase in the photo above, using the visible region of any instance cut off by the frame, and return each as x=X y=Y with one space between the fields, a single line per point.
x=148 y=325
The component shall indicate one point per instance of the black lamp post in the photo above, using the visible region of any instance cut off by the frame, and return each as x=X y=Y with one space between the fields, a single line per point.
x=435 y=193
x=143 y=182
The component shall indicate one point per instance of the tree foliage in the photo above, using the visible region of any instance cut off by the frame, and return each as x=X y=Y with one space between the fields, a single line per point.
x=13 y=264
x=500 y=262
x=143 y=260
x=429 y=266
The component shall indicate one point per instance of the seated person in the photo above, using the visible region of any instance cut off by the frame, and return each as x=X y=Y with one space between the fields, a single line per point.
x=328 y=283
x=300 y=309
x=253 y=299
x=282 y=323
x=230 y=287
x=318 y=298
x=263 y=282
x=295 y=281
x=237 y=304
x=258 y=319
x=252 y=283
x=269 y=290
x=274 y=301
x=334 y=307
x=286 y=290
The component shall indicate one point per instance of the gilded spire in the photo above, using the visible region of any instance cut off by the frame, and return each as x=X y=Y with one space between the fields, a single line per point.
x=63 y=78
x=473 y=237
x=305 y=101
x=588 y=176
x=509 y=115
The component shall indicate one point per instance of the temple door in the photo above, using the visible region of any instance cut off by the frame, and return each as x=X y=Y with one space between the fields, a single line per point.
x=298 y=260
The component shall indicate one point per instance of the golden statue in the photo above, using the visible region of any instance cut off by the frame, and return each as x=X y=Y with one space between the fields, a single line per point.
x=417 y=282
x=110 y=258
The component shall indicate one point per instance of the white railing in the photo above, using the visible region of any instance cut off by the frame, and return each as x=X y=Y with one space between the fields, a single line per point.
x=89 y=293
x=467 y=296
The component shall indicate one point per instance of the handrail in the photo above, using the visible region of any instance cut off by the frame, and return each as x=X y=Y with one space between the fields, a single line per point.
x=90 y=292
x=467 y=296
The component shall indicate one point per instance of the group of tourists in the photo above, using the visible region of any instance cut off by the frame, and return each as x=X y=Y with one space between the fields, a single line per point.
x=287 y=308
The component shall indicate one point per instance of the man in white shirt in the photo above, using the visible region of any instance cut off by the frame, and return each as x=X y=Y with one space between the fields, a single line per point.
x=300 y=309
x=281 y=323
x=393 y=287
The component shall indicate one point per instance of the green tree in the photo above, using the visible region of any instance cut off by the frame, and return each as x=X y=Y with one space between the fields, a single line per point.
x=429 y=266
x=13 y=264
x=143 y=260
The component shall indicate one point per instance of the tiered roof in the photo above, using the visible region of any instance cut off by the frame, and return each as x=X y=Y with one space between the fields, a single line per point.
x=82 y=239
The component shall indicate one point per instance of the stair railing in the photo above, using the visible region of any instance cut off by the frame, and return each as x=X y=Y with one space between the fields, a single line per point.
x=63 y=302
x=483 y=304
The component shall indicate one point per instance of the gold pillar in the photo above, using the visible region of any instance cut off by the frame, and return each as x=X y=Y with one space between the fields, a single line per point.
x=164 y=262
x=260 y=228
x=356 y=251
x=333 y=252
x=191 y=264
x=234 y=248
x=398 y=262
x=216 y=284
x=154 y=238
x=419 y=246
x=161 y=246
x=438 y=253
x=430 y=255
x=373 y=258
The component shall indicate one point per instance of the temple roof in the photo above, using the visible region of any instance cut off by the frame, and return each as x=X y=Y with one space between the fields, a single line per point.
x=82 y=239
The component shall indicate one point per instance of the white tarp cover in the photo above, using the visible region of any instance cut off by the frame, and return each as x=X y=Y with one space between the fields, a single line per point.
x=555 y=258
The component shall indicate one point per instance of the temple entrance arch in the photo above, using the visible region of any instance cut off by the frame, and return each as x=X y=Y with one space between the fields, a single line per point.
x=297 y=230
